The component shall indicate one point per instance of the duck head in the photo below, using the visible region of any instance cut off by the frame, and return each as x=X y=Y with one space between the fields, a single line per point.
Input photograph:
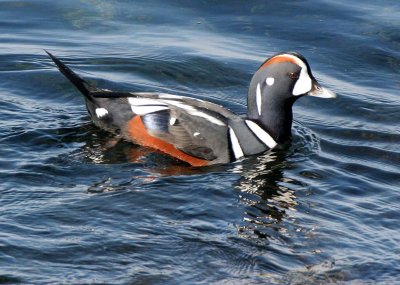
x=276 y=85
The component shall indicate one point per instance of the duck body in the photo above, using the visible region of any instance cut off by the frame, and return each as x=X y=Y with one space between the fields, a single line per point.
x=199 y=132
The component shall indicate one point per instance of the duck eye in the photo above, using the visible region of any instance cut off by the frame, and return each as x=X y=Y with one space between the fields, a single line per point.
x=293 y=75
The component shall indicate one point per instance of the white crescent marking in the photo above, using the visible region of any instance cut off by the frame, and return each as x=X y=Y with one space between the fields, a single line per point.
x=237 y=149
x=261 y=134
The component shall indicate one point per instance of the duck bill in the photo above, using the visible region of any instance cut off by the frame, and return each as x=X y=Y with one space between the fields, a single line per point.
x=321 y=92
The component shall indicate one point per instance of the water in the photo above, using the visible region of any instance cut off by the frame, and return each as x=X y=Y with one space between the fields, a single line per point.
x=77 y=209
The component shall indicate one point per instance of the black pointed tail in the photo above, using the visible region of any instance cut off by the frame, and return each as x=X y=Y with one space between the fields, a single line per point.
x=79 y=83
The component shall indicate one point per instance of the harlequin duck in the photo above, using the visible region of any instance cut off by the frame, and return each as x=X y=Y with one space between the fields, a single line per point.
x=200 y=132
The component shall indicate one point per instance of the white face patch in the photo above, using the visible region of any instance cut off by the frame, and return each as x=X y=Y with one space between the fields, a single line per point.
x=196 y=134
x=237 y=149
x=258 y=98
x=270 y=81
x=303 y=83
x=101 y=112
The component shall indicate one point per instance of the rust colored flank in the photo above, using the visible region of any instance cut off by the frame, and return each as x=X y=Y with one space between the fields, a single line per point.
x=138 y=133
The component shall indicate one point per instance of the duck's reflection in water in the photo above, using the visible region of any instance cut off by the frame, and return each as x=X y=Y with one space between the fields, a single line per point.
x=267 y=195
x=273 y=211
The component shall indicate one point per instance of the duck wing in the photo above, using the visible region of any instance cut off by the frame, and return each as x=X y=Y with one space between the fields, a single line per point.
x=189 y=129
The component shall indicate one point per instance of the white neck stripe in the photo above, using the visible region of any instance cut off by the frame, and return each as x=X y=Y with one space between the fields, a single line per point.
x=261 y=134
x=258 y=99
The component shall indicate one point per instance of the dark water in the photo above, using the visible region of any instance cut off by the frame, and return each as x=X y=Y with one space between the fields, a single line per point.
x=76 y=209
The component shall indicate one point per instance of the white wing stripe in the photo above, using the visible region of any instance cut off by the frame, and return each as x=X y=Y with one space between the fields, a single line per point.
x=261 y=134
x=179 y=105
x=194 y=112
x=143 y=110
x=209 y=118
x=142 y=106
x=135 y=101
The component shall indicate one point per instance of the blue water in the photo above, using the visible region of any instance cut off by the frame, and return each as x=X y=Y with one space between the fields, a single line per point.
x=78 y=208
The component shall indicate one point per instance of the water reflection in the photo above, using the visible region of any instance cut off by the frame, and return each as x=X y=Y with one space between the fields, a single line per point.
x=268 y=197
x=268 y=211
x=265 y=192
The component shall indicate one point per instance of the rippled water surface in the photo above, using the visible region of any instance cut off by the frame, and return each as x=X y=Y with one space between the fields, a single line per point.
x=78 y=208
